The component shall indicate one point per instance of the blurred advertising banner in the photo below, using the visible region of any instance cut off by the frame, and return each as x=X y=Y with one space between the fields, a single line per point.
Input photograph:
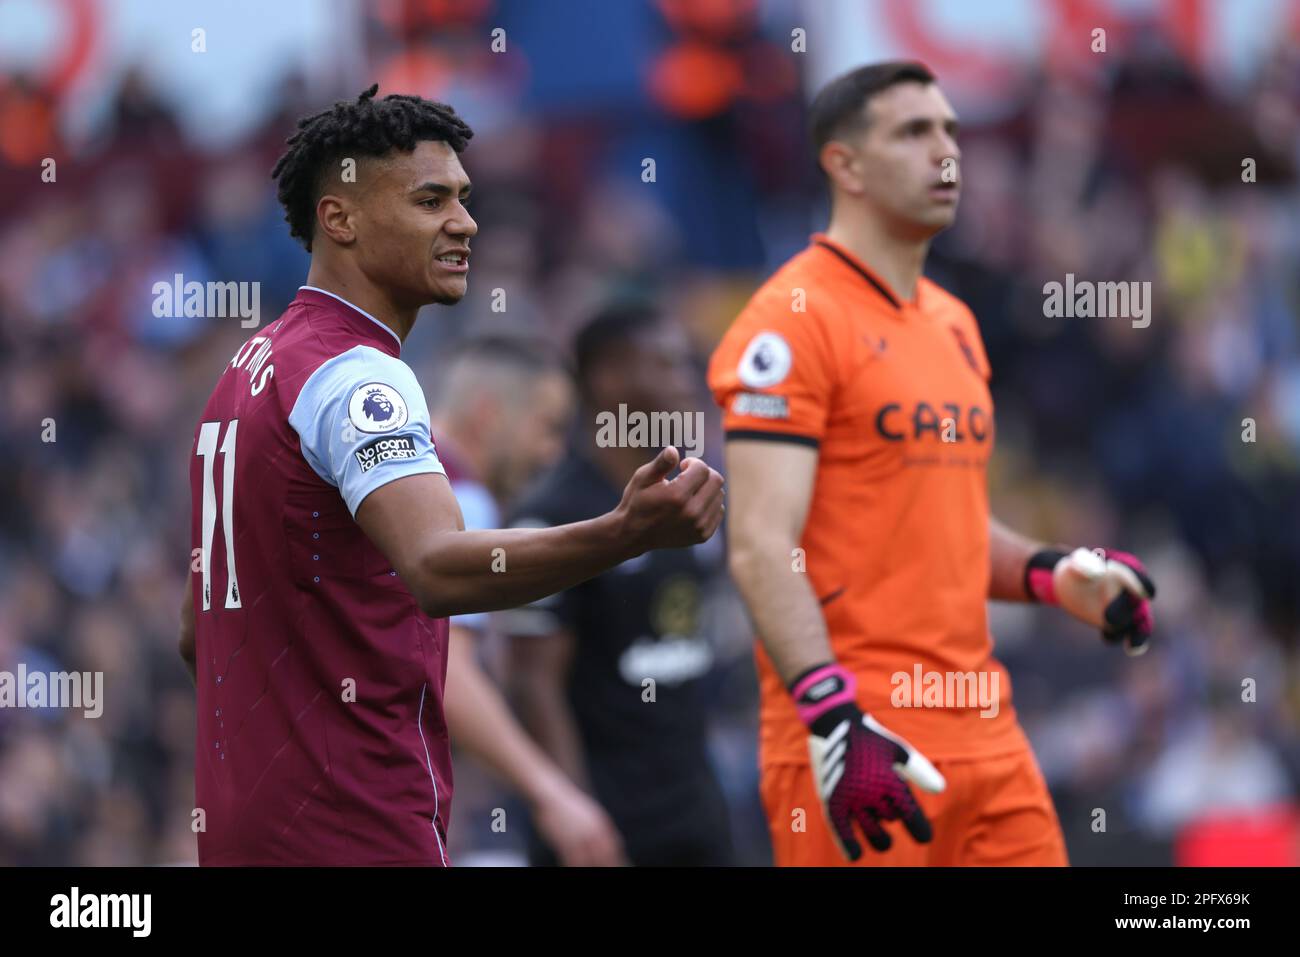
x=1263 y=837
x=218 y=73
x=980 y=50
x=216 y=68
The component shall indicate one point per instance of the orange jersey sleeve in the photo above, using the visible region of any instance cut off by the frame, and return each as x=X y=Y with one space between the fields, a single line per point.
x=773 y=372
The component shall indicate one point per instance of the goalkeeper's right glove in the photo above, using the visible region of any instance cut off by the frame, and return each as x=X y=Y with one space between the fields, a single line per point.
x=860 y=769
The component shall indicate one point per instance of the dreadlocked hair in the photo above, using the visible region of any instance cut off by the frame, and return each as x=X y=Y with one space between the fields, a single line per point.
x=362 y=127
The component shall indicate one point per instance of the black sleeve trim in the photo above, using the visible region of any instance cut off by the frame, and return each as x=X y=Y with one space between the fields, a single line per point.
x=761 y=435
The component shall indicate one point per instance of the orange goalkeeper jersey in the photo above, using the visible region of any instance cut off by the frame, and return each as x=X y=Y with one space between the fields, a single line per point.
x=894 y=396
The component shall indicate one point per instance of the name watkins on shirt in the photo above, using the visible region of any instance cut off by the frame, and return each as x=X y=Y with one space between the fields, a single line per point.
x=253 y=357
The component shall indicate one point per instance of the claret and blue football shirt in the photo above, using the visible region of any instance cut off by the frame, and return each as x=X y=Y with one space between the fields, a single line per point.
x=320 y=733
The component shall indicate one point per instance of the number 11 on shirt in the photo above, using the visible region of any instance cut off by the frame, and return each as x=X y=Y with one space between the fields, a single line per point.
x=207 y=447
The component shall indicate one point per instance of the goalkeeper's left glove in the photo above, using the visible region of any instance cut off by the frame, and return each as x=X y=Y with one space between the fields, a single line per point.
x=1105 y=588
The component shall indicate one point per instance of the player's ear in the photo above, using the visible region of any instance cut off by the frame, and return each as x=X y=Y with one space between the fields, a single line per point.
x=839 y=162
x=334 y=219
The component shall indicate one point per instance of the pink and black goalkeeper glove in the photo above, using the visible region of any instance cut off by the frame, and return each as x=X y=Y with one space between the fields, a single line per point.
x=860 y=769
x=1103 y=587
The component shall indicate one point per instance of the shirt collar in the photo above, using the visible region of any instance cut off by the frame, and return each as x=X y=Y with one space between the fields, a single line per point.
x=356 y=308
x=854 y=263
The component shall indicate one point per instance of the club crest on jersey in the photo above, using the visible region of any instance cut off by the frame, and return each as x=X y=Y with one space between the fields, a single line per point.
x=766 y=361
x=375 y=407
x=967 y=351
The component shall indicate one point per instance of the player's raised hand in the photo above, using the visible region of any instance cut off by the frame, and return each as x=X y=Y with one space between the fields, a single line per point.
x=662 y=513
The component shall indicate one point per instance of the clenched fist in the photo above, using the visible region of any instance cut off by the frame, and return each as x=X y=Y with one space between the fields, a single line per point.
x=660 y=513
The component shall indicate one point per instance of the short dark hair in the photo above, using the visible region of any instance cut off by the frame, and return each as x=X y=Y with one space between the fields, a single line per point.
x=361 y=127
x=840 y=106
x=613 y=326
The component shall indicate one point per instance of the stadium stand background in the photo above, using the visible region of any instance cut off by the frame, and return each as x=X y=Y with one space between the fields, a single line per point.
x=1125 y=165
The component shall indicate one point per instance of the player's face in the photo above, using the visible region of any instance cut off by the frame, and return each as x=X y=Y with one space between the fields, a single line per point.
x=413 y=229
x=533 y=438
x=661 y=377
x=907 y=158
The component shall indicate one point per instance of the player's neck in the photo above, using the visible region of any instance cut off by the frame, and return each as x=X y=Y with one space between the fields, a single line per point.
x=365 y=295
x=899 y=262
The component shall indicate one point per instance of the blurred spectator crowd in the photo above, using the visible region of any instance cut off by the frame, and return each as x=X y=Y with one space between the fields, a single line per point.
x=1107 y=434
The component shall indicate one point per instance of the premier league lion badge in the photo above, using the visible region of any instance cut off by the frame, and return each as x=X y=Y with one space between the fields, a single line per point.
x=376 y=407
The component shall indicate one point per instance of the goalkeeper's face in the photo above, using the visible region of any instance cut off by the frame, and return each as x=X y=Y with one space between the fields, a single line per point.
x=904 y=164
x=413 y=229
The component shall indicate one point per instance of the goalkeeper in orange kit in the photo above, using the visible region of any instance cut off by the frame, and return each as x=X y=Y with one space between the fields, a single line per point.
x=859 y=428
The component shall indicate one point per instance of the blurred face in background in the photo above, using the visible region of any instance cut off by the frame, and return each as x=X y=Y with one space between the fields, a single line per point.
x=528 y=434
x=652 y=371
x=893 y=167
x=410 y=228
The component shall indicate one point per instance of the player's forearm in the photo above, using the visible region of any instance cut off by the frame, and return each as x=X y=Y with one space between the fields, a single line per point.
x=480 y=722
x=470 y=571
x=783 y=605
x=1009 y=553
x=545 y=712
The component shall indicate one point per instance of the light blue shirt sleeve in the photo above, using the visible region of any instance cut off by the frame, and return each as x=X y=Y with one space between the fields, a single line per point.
x=479 y=510
x=362 y=422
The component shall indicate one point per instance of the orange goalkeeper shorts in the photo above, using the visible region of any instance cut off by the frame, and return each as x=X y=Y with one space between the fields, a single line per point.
x=994 y=812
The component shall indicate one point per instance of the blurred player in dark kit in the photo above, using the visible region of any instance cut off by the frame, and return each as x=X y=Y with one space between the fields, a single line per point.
x=582 y=660
x=500 y=408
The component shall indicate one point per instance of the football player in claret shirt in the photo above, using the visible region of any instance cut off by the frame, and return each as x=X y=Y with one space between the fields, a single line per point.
x=859 y=427
x=331 y=546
